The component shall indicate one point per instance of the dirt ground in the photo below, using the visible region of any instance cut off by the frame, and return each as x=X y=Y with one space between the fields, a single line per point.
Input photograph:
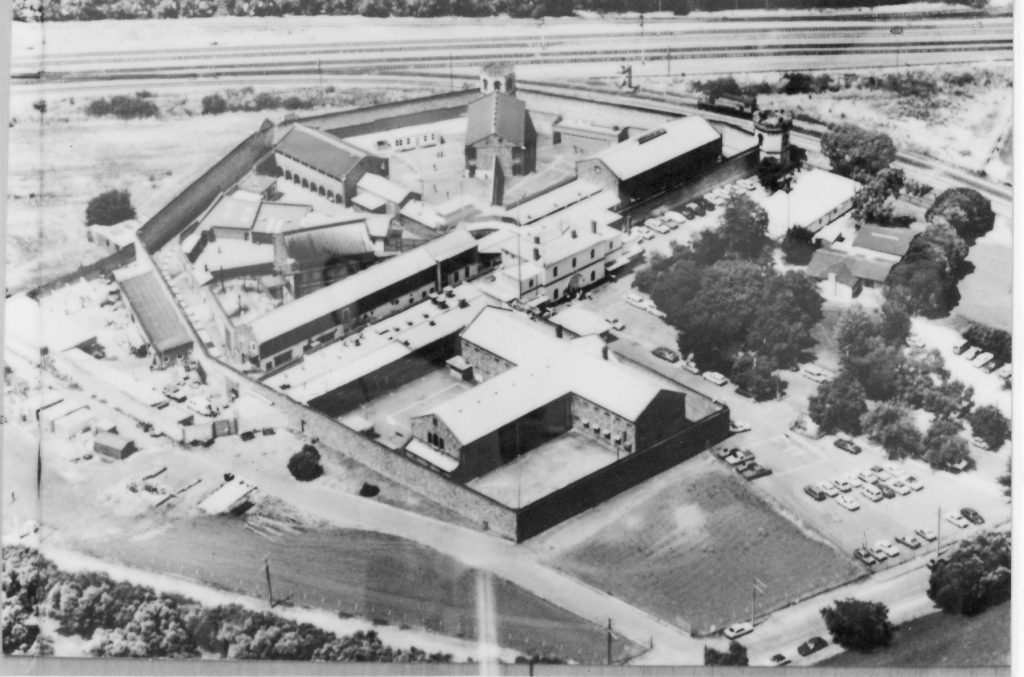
x=689 y=552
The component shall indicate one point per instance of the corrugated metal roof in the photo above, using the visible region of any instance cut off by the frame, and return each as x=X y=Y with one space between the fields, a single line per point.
x=326 y=244
x=320 y=151
x=893 y=241
x=386 y=189
x=156 y=312
x=497 y=113
x=631 y=158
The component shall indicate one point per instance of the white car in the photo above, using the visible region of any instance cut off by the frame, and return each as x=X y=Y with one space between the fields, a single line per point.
x=971 y=353
x=662 y=228
x=829 y=489
x=813 y=373
x=893 y=468
x=739 y=426
x=853 y=481
x=927 y=534
x=909 y=540
x=653 y=310
x=887 y=547
x=867 y=477
x=913 y=483
x=714 y=377
x=957 y=520
x=983 y=359
x=900 y=488
x=738 y=630
x=842 y=484
x=644 y=233
x=675 y=217
x=635 y=300
x=847 y=502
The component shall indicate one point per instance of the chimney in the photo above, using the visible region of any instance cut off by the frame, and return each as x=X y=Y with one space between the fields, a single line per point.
x=558 y=330
x=593 y=227
x=536 y=254
x=604 y=352
x=536 y=239
x=574 y=234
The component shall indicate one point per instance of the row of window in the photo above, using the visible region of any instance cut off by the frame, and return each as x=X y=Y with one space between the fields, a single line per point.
x=435 y=440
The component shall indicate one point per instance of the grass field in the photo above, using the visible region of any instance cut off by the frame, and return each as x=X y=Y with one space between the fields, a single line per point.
x=986 y=294
x=690 y=552
x=941 y=641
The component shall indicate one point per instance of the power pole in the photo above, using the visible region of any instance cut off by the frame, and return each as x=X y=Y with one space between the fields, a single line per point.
x=270 y=591
x=451 y=77
x=609 y=636
x=756 y=587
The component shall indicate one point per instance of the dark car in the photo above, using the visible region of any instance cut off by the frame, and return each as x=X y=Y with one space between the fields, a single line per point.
x=754 y=471
x=847 y=445
x=815 y=493
x=886 y=490
x=707 y=204
x=688 y=213
x=864 y=555
x=744 y=393
x=811 y=645
x=972 y=515
x=666 y=354
x=780 y=659
x=723 y=452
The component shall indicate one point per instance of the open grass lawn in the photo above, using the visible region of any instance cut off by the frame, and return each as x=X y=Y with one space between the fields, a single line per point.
x=985 y=294
x=941 y=641
x=690 y=552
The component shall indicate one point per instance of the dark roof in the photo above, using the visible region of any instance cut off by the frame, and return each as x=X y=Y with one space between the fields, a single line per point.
x=320 y=151
x=827 y=261
x=324 y=245
x=498 y=113
x=893 y=241
x=155 y=312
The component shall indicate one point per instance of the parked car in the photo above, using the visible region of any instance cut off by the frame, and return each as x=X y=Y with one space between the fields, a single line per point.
x=688 y=213
x=651 y=222
x=743 y=392
x=707 y=204
x=887 y=491
x=724 y=452
x=615 y=323
x=690 y=366
x=644 y=233
x=847 y=502
x=814 y=373
x=740 y=456
x=848 y=446
x=842 y=485
x=928 y=535
x=887 y=547
x=867 y=477
x=676 y=217
x=635 y=300
x=811 y=645
x=829 y=489
x=738 y=426
x=983 y=359
x=971 y=353
x=754 y=471
x=854 y=481
x=961 y=347
x=913 y=483
x=879 y=554
x=865 y=556
x=871 y=492
x=980 y=443
x=909 y=540
x=738 y=630
x=697 y=208
x=661 y=228
x=815 y=493
x=881 y=473
x=666 y=354
x=901 y=488
x=778 y=660
x=714 y=377
x=893 y=468
x=972 y=515
x=957 y=520
x=175 y=392
x=992 y=366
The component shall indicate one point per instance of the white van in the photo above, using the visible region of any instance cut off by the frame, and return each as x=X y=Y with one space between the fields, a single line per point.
x=814 y=373
x=872 y=492
x=715 y=377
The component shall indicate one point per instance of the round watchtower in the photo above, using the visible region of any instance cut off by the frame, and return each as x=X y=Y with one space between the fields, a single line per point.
x=772 y=130
x=498 y=77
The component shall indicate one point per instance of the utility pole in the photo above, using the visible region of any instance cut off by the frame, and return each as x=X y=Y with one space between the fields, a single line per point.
x=320 y=76
x=756 y=587
x=609 y=636
x=938 y=533
x=451 y=77
x=897 y=30
x=270 y=591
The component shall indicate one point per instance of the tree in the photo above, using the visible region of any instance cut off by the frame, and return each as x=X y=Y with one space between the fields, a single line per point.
x=758 y=376
x=838 y=405
x=1006 y=480
x=945 y=447
x=214 y=104
x=769 y=171
x=877 y=366
x=873 y=202
x=780 y=327
x=975 y=576
x=857 y=153
x=858 y=625
x=929 y=273
x=374 y=8
x=742 y=233
x=966 y=210
x=305 y=465
x=797 y=248
x=890 y=426
x=797 y=83
x=989 y=424
x=894 y=327
x=106 y=209
x=736 y=655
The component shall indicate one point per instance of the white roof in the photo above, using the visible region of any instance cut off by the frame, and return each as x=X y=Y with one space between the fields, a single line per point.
x=369 y=201
x=31 y=327
x=630 y=158
x=546 y=368
x=225 y=496
x=581 y=321
x=422 y=213
x=351 y=289
x=230 y=254
x=555 y=200
x=815 y=193
x=386 y=189
x=431 y=455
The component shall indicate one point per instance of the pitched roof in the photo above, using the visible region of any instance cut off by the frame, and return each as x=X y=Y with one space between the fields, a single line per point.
x=156 y=312
x=279 y=217
x=827 y=261
x=895 y=241
x=320 y=151
x=231 y=211
x=385 y=189
x=637 y=155
x=498 y=113
x=324 y=245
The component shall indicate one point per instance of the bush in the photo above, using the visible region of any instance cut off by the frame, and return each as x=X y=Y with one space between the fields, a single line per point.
x=857 y=625
x=989 y=424
x=305 y=465
x=974 y=577
x=736 y=655
x=123 y=107
x=966 y=210
x=214 y=104
x=106 y=209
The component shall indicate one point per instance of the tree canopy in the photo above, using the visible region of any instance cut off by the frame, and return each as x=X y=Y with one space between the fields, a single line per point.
x=742 y=233
x=975 y=576
x=890 y=426
x=736 y=655
x=944 y=445
x=989 y=425
x=873 y=202
x=857 y=153
x=106 y=209
x=838 y=405
x=858 y=625
x=758 y=376
x=928 y=276
x=966 y=210
x=304 y=465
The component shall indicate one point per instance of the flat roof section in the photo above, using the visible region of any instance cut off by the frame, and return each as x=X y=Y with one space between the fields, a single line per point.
x=320 y=151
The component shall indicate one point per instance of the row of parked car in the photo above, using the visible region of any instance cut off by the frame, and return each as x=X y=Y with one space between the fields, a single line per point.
x=743 y=462
x=698 y=206
x=812 y=645
x=987 y=362
x=880 y=481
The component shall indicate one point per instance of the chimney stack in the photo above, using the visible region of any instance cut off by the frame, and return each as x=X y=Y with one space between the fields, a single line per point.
x=574 y=233
x=536 y=254
x=593 y=227
x=558 y=330
x=604 y=352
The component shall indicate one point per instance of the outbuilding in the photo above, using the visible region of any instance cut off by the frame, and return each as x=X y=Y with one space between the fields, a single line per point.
x=113 y=445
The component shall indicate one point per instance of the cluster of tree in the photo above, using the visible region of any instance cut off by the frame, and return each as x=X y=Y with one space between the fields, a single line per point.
x=24 y=582
x=758 y=377
x=125 y=620
x=857 y=153
x=966 y=210
x=874 y=201
x=805 y=83
x=736 y=655
x=858 y=625
x=304 y=465
x=124 y=107
x=246 y=100
x=990 y=426
x=725 y=299
x=108 y=208
x=727 y=86
x=974 y=577
x=990 y=340
x=929 y=275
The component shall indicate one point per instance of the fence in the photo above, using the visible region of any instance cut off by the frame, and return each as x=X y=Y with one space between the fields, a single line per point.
x=104 y=266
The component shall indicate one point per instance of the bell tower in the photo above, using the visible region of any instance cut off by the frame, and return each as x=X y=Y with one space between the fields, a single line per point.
x=498 y=77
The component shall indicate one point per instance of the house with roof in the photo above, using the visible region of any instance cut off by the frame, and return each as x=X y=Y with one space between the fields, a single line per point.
x=845 y=270
x=325 y=164
x=533 y=386
x=499 y=129
x=381 y=195
x=154 y=311
x=318 y=256
x=675 y=153
x=816 y=199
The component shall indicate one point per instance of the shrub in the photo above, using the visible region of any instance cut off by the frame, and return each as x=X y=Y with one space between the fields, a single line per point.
x=123 y=107
x=305 y=465
x=106 y=209
x=974 y=577
x=858 y=625
x=214 y=104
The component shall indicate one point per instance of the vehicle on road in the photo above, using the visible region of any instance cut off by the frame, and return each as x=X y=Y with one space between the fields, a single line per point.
x=871 y=492
x=901 y=488
x=738 y=630
x=847 y=502
x=972 y=515
x=644 y=233
x=811 y=645
x=927 y=534
x=743 y=392
x=778 y=660
x=666 y=354
x=738 y=426
x=909 y=540
x=957 y=520
x=676 y=218
x=815 y=493
x=842 y=485
x=961 y=347
x=740 y=456
x=814 y=373
x=865 y=556
x=690 y=366
x=714 y=377
x=887 y=491
x=754 y=471
x=971 y=353
x=887 y=547
x=879 y=554
x=847 y=445
x=913 y=483
x=615 y=323
x=829 y=489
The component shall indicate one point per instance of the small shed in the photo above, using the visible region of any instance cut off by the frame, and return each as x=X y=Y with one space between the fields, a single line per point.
x=113 y=445
x=74 y=423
